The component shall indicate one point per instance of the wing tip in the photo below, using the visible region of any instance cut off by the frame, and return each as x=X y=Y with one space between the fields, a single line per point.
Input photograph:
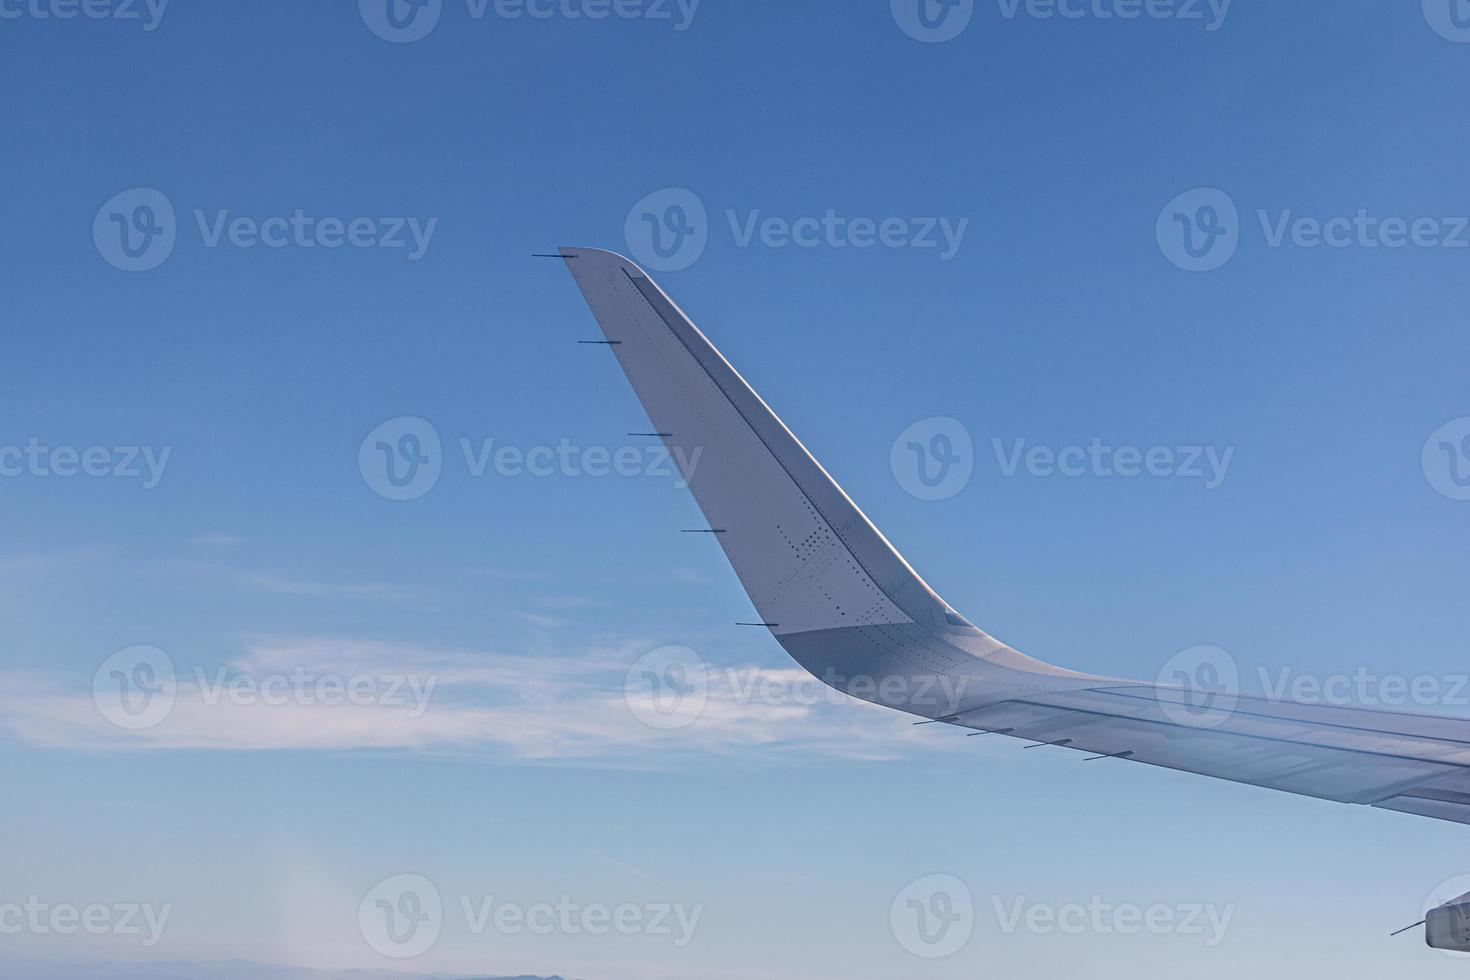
x=601 y=257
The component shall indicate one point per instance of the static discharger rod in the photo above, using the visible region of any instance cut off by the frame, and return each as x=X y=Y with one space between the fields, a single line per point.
x=605 y=343
x=706 y=531
x=767 y=625
x=651 y=435
x=1407 y=928
x=550 y=255
x=1042 y=745
x=935 y=721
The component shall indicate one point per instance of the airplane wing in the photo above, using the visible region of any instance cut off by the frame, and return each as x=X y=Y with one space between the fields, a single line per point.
x=841 y=600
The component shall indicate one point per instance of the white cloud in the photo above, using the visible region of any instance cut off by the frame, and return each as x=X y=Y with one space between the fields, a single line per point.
x=371 y=591
x=514 y=707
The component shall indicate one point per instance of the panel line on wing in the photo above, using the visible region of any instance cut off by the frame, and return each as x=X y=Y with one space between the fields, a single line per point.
x=1233 y=733
x=1121 y=692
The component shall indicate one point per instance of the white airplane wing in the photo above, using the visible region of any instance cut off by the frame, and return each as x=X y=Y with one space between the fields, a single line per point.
x=843 y=602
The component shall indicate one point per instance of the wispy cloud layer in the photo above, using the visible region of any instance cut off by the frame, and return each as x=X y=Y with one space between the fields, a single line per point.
x=327 y=694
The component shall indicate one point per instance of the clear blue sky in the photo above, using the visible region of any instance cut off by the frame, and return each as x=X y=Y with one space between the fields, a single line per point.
x=1061 y=318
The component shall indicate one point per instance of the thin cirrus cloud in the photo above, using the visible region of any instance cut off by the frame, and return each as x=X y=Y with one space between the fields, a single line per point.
x=369 y=591
x=507 y=706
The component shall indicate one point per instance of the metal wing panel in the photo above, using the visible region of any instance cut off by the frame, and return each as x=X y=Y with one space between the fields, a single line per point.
x=846 y=605
x=1318 y=761
x=757 y=486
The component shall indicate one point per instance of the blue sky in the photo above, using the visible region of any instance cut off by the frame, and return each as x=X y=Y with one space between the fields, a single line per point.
x=239 y=382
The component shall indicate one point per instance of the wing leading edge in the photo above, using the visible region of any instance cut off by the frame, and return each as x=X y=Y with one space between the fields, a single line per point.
x=845 y=604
